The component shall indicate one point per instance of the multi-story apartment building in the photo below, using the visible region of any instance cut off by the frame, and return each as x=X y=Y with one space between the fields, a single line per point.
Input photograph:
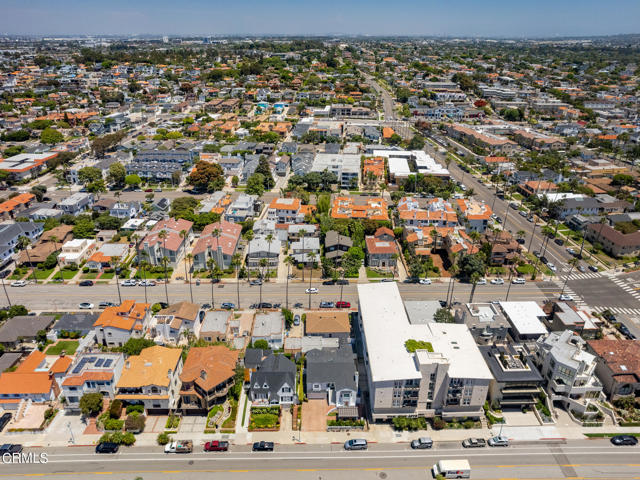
x=421 y=369
x=168 y=238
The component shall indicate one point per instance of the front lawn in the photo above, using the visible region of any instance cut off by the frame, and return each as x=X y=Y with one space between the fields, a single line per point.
x=525 y=269
x=43 y=274
x=69 y=347
x=264 y=418
x=371 y=273
x=107 y=275
x=89 y=276
x=68 y=274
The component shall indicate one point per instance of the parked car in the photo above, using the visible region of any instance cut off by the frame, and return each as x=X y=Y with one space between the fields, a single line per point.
x=425 y=281
x=559 y=241
x=206 y=306
x=10 y=448
x=593 y=268
x=262 y=447
x=474 y=443
x=311 y=290
x=565 y=298
x=522 y=213
x=107 y=447
x=342 y=281
x=582 y=269
x=411 y=280
x=620 y=440
x=148 y=283
x=497 y=281
x=257 y=282
x=544 y=260
x=482 y=281
x=106 y=304
x=129 y=283
x=498 y=441
x=297 y=305
x=228 y=305
x=521 y=241
x=571 y=251
x=329 y=282
x=19 y=283
x=327 y=305
x=421 y=443
x=216 y=446
x=518 y=281
x=158 y=189
x=179 y=446
x=623 y=329
x=342 y=304
x=4 y=419
x=265 y=305
x=356 y=444
x=5 y=273
x=296 y=320
x=551 y=267
x=86 y=283
x=85 y=306
x=388 y=280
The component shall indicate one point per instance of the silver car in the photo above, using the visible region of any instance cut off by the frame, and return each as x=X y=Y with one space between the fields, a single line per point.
x=498 y=441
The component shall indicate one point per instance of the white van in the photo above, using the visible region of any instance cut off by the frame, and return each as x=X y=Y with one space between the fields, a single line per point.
x=452 y=469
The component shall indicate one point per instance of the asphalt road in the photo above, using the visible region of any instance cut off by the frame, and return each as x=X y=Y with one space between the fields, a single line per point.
x=387 y=100
x=579 y=459
x=55 y=297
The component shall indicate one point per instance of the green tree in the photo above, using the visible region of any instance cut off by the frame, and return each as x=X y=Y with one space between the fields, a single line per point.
x=84 y=227
x=51 y=136
x=416 y=142
x=263 y=344
x=264 y=169
x=91 y=404
x=255 y=184
x=117 y=173
x=470 y=264
x=209 y=176
x=132 y=180
x=88 y=175
x=443 y=315
x=134 y=346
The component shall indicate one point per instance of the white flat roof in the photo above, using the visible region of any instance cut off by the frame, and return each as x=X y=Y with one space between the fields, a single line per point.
x=387 y=328
x=525 y=317
x=398 y=167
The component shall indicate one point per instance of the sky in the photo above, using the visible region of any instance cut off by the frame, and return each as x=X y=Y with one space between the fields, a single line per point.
x=486 y=18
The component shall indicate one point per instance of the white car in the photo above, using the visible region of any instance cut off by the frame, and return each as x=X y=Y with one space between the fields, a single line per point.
x=565 y=298
x=498 y=441
x=551 y=267
x=497 y=281
x=19 y=283
x=148 y=283
x=482 y=281
x=86 y=306
x=425 y=281
x=311 y=290
x=129 y=283
x=518 y=281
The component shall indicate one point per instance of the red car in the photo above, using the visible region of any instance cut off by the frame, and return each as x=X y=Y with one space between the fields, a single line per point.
x=343 y=305
x=216 y=446
x=149 y=190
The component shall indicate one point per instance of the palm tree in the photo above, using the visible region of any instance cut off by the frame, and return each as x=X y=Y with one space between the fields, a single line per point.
x=165 y=261
x=288 y=261
x=521 y=234
x=187 y=273
x=4 y=287
x=453 y=262
x=236 y=260
x=573 y=262
x=54 y=239
x=475 y=276
x=312 y=259
x=24 y=242
x=143 y=267
x=263 y=263
x=115 y=270
x=303 y=233
x=249 y=237
x=453 y=271
x=269 y=239
x=211 y=263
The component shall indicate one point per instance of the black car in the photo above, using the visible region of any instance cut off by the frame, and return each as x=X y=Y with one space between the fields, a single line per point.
x=544 y=260
x=298 y=305
x=5 y=273
x=342 y=282
x=329 y=282
x=86 y=283
x=107 y=447
x=626 y=332
x=263 y=447
x=265 y=305
x=559 y=241
x=228 y=305
x=163 y=305
x=206 y=306
x=4 y=419
x=624 y=440
x=106 y=304
x=521 y=241
x=593 y=268
x=411 y=280
x=10 y=448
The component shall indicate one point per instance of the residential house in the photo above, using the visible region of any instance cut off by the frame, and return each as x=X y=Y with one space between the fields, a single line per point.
x=80 y=323
x=269 y=327
x=152 y=379
x=242 y=208
x=618 y=366
x=485 y=321
x=569 y=370
x=525 y=320
x=116 y=325
x=153 y=248
x=125 y=210
x=76 y=203
x=336 y=245
x=614 y=242
x=516 y=382
x=382 y=251
x=107 y=255
x=475 y=214
x=207 y=376
x=217 y=242
x=76 y=251
x=23 y=328
x=174 y=323
x=260 y=248
x=91 y=373
x=562 y=316
x=26 y=165
x=505 y=248
x=331 y=374
x=12 y=207
x=287 y=210
x=306 y=250
x=273 y=382
x=372 y=209
x=421 y=369
x=328 y=324
x=216 y=326
x=10 y=233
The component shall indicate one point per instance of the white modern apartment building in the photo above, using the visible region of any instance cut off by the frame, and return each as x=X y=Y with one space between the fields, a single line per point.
x=442 y=373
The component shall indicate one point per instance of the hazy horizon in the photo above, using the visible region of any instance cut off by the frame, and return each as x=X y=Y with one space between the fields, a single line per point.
x=466 y=18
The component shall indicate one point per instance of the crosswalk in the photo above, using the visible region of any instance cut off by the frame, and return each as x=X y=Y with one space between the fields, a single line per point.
x=580 y=303
x=582 y=276
x=630 y=287
x=627 y=311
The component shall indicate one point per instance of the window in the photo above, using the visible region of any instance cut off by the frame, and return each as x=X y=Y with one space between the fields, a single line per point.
x=316 y=387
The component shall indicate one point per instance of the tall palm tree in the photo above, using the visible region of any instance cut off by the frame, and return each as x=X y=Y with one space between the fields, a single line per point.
x=115 y=270
x=4 y=287
x=54 y=239
x=302 y=233
x=23 y=243
x=143 y=267
x=454 y=271
x=211 y=263
x=263 y=263
x=187 y=272
x=475 y=276
x=288 y=262
x=521 y=234
x=249 y=237
x=573 y=262
x=312 y=259
x=165 y=262
x=269 y=239
x=236 y=261
x=451 y=280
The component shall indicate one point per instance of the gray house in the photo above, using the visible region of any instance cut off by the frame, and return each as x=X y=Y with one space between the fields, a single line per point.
x=274 y=382
x=336 y=245
x=332 y=374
